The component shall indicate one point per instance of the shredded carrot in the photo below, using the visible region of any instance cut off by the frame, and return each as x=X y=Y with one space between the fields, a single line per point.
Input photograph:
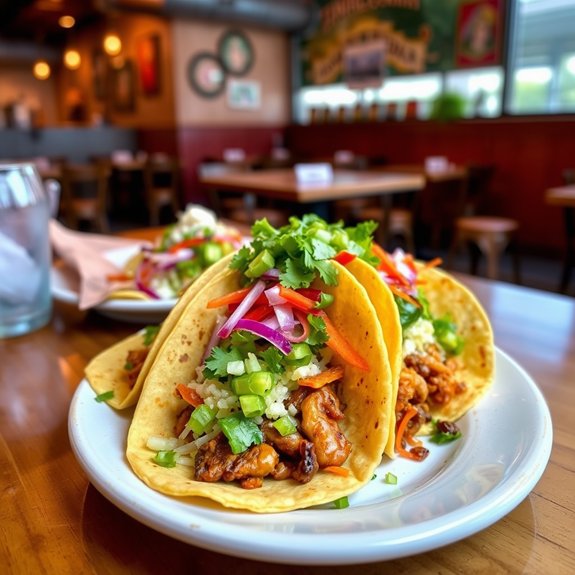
x=410 y=263
x=433 y=263
x=119 y=277
x=189 y=395
x=296 y=299
x=337 y=470
x=409 y=414
x=338 y=343
x=323 y=378
x=189 y=243
x=234 y=297
x=400 y=293
x=387 y=265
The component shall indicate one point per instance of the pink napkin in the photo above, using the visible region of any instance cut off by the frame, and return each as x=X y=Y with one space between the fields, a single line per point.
x=84 y=252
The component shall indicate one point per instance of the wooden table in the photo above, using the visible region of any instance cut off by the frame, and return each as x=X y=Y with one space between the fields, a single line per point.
x=564 y=196
x=281 y=184
x=54 y=521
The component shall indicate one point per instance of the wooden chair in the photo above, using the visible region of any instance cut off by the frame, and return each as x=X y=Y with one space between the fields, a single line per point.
x=489 y=236
x=161 y=185
x=84 y=195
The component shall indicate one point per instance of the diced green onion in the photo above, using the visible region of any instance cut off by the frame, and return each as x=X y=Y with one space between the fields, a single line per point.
x=258 y=383
x=165 y=458
x=241 y=432
x=286 y=425
x=201 y=418
x=236 y=367
x=210 y=253
x=263 y=262
x=252 y=405
x=341 y=503
x=390 y=478
x=104 y=396
x=252 y=364
x=299 y=355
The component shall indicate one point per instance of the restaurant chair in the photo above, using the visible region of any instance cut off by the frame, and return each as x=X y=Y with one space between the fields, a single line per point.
x=489 y=236
x=84 y=196
x=161 y=186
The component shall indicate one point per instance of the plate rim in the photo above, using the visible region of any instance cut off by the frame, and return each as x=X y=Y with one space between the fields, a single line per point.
x=462 y=522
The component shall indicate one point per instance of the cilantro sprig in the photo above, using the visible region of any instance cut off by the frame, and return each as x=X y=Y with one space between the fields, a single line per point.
x=303 y=249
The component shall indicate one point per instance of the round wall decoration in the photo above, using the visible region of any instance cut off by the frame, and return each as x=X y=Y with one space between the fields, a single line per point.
x=236 y=52
x=206 y=74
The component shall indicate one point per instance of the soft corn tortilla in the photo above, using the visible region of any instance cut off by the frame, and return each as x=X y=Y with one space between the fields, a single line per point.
x=446 y=296
x=106 y=372
x=365 y=396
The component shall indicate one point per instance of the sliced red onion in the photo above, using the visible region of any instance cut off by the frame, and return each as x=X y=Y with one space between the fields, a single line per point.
x=284 y=315
x=271 y=322
x=242 y=309
x=271 y=274
x=140 y=285
x=258 y=328
x=274 y=297
x=303 y=322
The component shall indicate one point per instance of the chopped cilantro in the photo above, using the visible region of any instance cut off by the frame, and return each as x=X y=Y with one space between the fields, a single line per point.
x=241 y=432
x=302 y=250
x=217 y=363
x=318 y=331
x=273 y=359
x=128 y=366
x=325 y=300
x=104 y=396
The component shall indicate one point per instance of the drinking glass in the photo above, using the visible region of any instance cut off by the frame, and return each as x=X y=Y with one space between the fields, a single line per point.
x=25 y=254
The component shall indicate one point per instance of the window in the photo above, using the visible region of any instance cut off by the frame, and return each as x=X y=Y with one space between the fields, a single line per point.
x=541 y=68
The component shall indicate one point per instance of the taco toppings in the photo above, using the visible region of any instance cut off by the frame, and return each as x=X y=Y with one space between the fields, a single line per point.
x=185 y=249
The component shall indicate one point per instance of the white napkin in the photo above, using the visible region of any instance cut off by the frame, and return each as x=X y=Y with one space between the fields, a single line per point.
x=84 y=252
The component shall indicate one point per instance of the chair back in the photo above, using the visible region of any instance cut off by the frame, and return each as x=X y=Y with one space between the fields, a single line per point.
x=85 y=194
x=161 y=185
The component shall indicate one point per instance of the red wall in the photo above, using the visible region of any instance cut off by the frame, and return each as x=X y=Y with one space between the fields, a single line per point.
x=529 y=156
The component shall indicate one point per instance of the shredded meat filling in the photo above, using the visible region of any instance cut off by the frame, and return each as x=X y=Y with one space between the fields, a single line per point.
x=134 y=363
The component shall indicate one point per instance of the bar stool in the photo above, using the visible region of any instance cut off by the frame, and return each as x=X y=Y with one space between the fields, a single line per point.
x=161 y=185
x=491 y=236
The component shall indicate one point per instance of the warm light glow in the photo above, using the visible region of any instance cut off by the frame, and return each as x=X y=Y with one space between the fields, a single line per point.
x=41 y=70
x=67 y=21
x=112 y=44
x=72 y=59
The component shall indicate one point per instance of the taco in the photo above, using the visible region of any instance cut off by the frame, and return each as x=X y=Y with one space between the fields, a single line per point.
x=273 y=390
x=179 y=256
x=117 y=373
x=445 y=362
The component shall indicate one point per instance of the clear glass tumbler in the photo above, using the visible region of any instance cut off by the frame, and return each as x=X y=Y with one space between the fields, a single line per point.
x=25 y=254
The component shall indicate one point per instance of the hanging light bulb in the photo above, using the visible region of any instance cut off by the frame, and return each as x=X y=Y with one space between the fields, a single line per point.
x=72 y=59
x=112 y=44
x=41 y=70
x=66 y=21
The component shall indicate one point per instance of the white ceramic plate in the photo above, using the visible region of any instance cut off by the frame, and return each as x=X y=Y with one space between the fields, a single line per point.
x=65 y=288
x=458 y=490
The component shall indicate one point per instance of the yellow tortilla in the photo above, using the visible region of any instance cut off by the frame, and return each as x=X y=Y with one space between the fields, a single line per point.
x=105 y=372
x=446 y=296
x=365 y=395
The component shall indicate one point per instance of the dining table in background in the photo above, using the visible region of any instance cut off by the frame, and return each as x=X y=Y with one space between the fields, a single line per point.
x=53 y=520
x=564 y=197
x=282 y=184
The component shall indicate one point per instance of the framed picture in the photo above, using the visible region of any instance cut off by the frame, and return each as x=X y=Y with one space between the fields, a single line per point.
x=149 y=58
x=206 y=75
x=236 y=52
x=478 y=36
x=123 y=82
x=100 y=74
x=244 y=94
x=364 y=65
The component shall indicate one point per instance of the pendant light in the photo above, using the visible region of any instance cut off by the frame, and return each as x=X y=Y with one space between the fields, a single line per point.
x=41 y=70
x=112 y=44
x=72 y=59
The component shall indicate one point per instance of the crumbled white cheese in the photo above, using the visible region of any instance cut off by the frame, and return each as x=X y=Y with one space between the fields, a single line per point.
x=417 y=336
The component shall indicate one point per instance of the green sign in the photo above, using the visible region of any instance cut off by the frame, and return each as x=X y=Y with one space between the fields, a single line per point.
x=419 y=36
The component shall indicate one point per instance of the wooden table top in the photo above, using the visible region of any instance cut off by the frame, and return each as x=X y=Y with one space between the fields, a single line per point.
x=281 y=183
x=54 y=521
x=561 y=196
